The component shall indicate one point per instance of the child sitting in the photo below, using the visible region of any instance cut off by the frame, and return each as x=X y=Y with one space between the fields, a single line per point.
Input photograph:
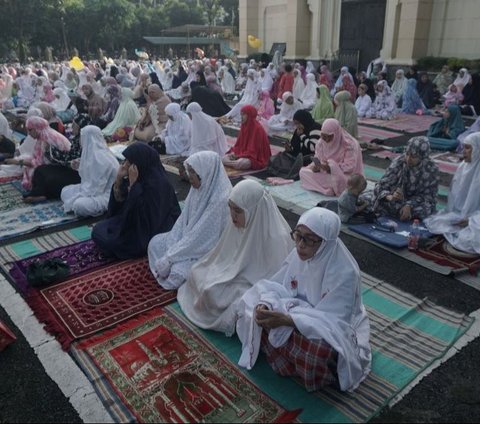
x=349 y=207
x=453 y=96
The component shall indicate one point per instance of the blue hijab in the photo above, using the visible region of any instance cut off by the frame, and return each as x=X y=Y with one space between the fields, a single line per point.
x=411 y=99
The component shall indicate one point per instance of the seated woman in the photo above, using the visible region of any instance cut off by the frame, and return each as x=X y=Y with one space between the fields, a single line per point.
x=425 y=90
x=384 y=106
x=323 y=109
x=127 y=114
x=253 y=245
x=444 y=79
x=284 y=120
x=337 y=156
x=114 y=96
x=300 y=149
x=48 y=170
x=453 y=96
x=471 y=96
x=211 y=101
x=345 y=113
x=309 y=318
x=399 y=86
x=266 y=108
x=475 y=127
x=252 y=148
x=411 y=102
x=142 y=204
x=197 y=231
x=207 y=134
x=409 y=187
x=443 y=133
x=154 y=118
x=177 y=134
x=363 y=102
x=309 y=94
x=98 y=170
x=460 y=222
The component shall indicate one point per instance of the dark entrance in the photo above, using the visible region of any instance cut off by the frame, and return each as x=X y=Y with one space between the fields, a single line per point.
x=361 y=28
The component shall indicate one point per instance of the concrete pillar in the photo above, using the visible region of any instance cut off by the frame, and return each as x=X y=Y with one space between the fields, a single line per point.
x=298 y=29
x=407 y=29
x=248 y=24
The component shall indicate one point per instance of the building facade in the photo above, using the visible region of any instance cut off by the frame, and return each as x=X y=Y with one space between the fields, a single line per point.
x=399 y=31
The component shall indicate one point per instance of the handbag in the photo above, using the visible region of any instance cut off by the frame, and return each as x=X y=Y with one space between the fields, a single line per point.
x=41 y=273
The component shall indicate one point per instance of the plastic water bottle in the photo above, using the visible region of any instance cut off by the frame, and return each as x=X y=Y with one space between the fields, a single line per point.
x=414 y=235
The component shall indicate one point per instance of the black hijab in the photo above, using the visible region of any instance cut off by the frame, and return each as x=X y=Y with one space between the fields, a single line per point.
x=301 y=144
x=150 y=207
x=211 y=101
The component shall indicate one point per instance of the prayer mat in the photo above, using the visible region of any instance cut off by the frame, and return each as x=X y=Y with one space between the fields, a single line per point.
x=8 y=179
x=443 y=253
x=389 y=231
x=82 y=306
x=407 y=335
x=386 y=154
x=158 y=370
x=25 y=220
x=403 y=122
x=368 y=134
x=447 y=162
x=10 y=197
x=35 y=246
x=81 y=257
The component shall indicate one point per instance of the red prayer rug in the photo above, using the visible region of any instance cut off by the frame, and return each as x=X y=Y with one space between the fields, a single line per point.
x=160 y=371
x=90 y=303
x=443 y=253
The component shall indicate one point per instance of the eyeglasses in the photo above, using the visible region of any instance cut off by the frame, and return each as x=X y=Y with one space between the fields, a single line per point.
x=298 y=237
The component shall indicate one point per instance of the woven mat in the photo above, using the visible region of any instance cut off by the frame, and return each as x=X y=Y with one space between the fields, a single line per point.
x=407 y=335
x=368 y=133
x=155 y=369
x=10 y=197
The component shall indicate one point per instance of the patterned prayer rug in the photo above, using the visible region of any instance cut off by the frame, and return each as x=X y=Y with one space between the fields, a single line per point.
x=368 y=133
x=82 y=257
x=403 y=122
x=448 y=162
x=83 y=305
x=443 y=253
x=9 y=179
x=10 y=197
x=161 y=371
x=25 y=220
x=407 y=335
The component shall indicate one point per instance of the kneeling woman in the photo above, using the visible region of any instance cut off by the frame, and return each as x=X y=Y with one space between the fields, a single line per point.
x=309 y=318
x=98 y=170
x=253 y=246
x=142 y=204
x=171 y=255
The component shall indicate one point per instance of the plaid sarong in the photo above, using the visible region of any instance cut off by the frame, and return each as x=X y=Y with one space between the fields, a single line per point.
x=313 y=363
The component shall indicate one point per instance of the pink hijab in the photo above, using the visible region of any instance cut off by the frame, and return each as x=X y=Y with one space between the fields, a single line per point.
x=46 y=137
x=337 y=148
x=266 y=109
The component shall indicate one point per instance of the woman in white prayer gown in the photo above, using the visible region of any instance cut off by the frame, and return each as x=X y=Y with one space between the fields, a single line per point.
x=226 y=80
x=309 y=95
x=460 y=222
x=61 y=101
x=253 y=245
x=250 y=95
x=199 y=227
x=98 y=170
x=284 y=120
x=24 y=151
x=298 y=84
x=266 y=80
x=178 y=131
x=207 y=134
x=311 y=306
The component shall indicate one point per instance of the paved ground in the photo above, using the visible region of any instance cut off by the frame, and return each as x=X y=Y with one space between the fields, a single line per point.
x=451 y=393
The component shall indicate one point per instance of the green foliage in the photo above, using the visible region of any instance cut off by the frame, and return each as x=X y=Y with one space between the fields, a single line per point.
x=28 y=26
x=431 y=63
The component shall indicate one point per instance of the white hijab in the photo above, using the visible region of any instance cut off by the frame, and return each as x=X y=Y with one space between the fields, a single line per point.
x=241 y=257
x=62 y=100
x=207 y=134
x=228 y=83
x=460 y=81
x=266 y=81
x=333 y=309
x=178 y=131
x=98 y=165
x=4 y=126
x=205 y=214
x=463 y=196
x=298 y=84
x=309 y=95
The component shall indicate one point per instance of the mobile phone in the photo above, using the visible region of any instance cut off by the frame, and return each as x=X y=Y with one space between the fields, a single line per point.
x=316 y=161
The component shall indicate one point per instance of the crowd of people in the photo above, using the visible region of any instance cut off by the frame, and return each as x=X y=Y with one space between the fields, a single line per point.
x=230 y=253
